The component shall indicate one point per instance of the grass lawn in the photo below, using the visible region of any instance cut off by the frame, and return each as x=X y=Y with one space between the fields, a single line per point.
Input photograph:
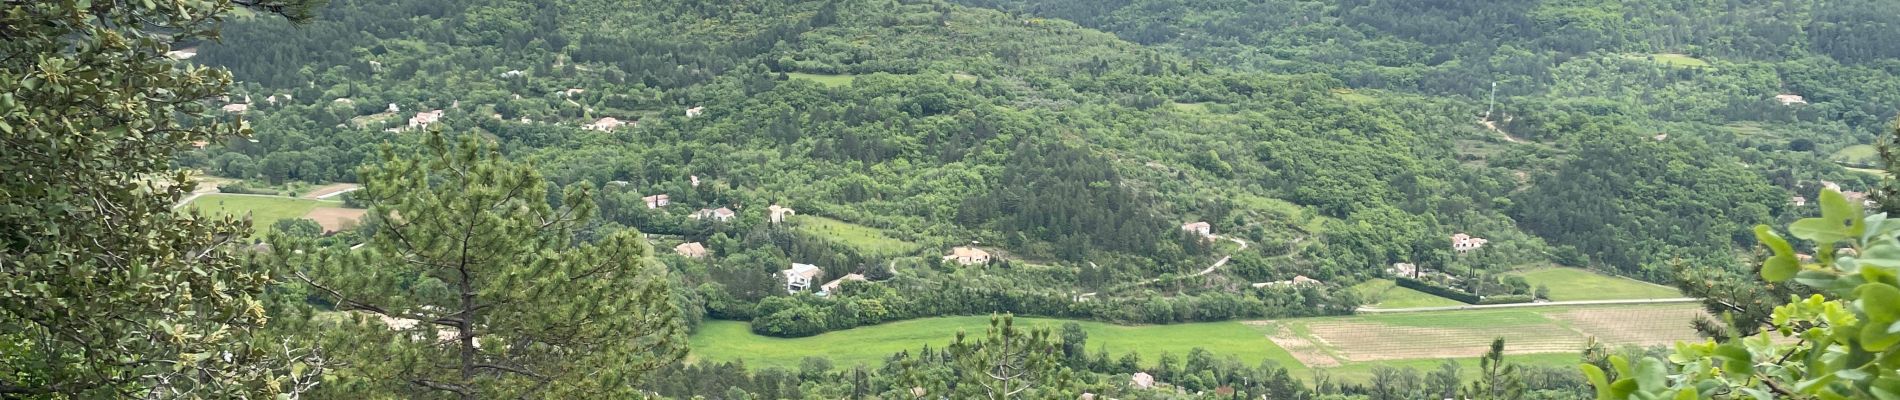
x=868 y=240
x=1869 y=171
x=1384 y=293
x=1571 y=284
x=731 y=340
x=827 y=80
x=264 y=210
x=1857 y=154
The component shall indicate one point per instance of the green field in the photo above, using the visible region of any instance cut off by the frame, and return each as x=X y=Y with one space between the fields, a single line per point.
x=1861 y=154
x=868 y=240
x=1384 y=293
x=827 y=80
x=729 y=340
x=1346 y=348
x=1869 y=171
x=264 y=210
x=1572 y=284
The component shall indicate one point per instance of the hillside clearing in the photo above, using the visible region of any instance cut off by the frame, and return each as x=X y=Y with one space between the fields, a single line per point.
x=1573 y=284
x=868 y=240
x=1674 y=59
x=827 y=80
x=1857 y=155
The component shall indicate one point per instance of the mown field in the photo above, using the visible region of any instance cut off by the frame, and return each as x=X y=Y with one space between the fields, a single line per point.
x=1860 y=154
x=867 y=240
x=264 y=210
x=1347 y=348
x=1573 y=284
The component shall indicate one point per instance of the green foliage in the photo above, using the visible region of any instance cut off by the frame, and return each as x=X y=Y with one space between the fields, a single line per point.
x=109 y=290
x=1836 y=344
x=473 y=285
x=1006 y=363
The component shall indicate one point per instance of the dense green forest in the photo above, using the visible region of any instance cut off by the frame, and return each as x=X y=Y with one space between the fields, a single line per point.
x=1075 y=143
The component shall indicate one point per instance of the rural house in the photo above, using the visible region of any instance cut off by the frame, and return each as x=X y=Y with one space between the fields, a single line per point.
x=1199 y=228
x=800 y=276
x=1141 y=380
x=1790 y=99
x=691 y=250
x=695 y=111
x=968 y=256
x=779 y=213
x=657 y=201
x=1799 y=201
x=721 y=214
x=1463 y=243
x=423 y=119
x=239 y=108
x=605 y=124
x=1403 y=269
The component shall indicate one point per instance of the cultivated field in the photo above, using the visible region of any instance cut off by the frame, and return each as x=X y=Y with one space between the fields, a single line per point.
x=1345 y=347
x=1860 y=154
x=334 y=219
x=1573 y=284
x=1379 y=338
x=867 y=240
x=266 y=210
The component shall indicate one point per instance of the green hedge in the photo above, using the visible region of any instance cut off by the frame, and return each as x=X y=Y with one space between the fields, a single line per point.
x=1460 y=295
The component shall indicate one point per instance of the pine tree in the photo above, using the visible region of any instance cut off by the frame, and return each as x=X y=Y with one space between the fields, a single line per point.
x=109 y=290
x=1497 y=380
x=1007 y=363
x=474 y=286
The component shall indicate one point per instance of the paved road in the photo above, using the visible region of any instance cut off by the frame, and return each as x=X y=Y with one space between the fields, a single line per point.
x=1521 y=305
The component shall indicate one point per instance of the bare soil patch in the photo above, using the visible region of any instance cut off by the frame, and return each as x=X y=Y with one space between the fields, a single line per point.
x=334 y=219
x=1309 y=353
x=1637 y=326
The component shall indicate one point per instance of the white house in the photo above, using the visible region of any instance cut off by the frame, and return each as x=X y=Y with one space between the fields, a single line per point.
x=657 y=201
x=721 y=214
x=1199 y=228
x=423 y=119
x=1463 y=243
x=968 y=256
x=1141 y=380
x=1790 y=99
x=606 y=124
x=1799 y=201
x=800 y=276
x=236 y=108
x=778 y=214
x=695 y=111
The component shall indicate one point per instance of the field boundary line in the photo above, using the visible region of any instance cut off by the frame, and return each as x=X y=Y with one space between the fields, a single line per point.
x=1370 y=310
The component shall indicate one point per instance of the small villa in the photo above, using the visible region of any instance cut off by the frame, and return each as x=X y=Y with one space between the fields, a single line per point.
x=1403 y=269
x=800 y=276
x=778 y=214
x=695 y=112
x=236 y=108
x=691 y=250
x=1141 y=380
x=1463 y=243
x=968 y=256
x=425 y=118
x=1790 y=99
x=1199 y=228
x=606 y=124
x=721 y=214
x=657 y=201
x=1799 y=201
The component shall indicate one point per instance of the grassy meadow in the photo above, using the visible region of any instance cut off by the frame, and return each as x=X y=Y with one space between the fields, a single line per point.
x=264 y=210
x=827 y=80
x=867 y=240
x=1384 y=293
x=1573 y=284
